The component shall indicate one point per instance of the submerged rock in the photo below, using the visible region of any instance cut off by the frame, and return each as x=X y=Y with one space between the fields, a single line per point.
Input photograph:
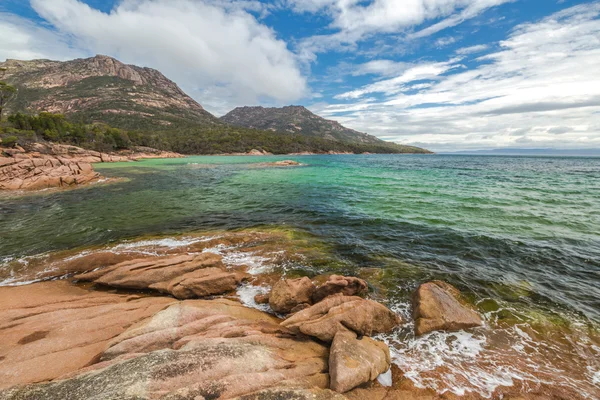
x=183 y=276
x=354 y=361
x=340 y=313
x=438 y=305
x=346 y=285
x=287 y=294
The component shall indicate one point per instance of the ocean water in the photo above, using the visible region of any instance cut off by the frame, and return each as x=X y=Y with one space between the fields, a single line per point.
x=520 y=236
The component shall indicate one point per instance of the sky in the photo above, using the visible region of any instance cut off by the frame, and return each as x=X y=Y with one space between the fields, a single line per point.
x=443 y=74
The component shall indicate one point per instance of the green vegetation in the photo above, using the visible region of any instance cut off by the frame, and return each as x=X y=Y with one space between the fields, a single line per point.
x=214 y=139
x=6 y=93
x=56 y=128
x=10 y=141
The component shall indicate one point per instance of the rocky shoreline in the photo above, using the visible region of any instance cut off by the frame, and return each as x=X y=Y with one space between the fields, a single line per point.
x=121 y=325
x=219 y=315
x=43 y=166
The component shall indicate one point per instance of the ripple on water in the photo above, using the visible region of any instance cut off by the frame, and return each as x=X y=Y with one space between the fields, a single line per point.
x=490 y=359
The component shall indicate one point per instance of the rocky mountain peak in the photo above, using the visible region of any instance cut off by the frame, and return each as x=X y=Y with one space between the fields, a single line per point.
x=295 y=119
x=103 y=89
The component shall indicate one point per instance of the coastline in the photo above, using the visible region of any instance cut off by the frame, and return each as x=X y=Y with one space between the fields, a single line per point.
x=108 y=322
x=42 y=166
x=480 y=363
x=49 y=166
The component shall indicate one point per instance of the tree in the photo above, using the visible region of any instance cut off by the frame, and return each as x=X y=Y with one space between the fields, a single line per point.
x=6 y=93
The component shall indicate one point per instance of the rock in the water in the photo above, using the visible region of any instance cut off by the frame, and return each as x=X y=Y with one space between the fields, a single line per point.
x=54 y=328
x=183 y=276
x=439 y=306
x=346 y=285
x=283 y=163
x=195 y=349
x=353 y=362
x=262 y=298
x=289 y=293
x=343 y=313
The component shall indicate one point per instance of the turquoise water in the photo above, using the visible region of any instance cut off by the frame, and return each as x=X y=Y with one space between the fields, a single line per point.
x=520 y=236
x=518 y=221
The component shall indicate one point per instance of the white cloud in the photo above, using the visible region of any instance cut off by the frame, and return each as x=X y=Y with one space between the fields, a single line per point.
x=354 y=21
x=24 y=40
x=381 y=67
x=417 y=72
x=211 y=48
x=472 y=49
x=445 y=41
x=543 y=80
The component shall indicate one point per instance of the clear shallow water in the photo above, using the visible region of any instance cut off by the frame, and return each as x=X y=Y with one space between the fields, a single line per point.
x=519 y=235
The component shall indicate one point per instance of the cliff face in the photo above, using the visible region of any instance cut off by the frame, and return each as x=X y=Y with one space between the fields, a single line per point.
x=295 y=119
x=102 y=89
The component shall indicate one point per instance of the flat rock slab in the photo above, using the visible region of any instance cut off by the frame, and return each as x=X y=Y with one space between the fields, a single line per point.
x=439 y=306
x=195 y=349
x=343 y=313
x=54 y=328
x=43 y=172
x=353 y=362
x=183 y=276
x=293 y=394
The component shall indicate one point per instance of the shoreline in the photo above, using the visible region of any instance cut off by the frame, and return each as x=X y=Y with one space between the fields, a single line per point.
x=47 y=166
x=37 y=305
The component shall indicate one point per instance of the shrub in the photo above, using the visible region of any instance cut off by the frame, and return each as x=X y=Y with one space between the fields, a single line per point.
x=10 y=141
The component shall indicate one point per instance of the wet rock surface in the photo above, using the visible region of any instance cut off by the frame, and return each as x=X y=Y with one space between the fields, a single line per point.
x=346 y=285
x=439 y=306
x=354 y=361
x=283 y=163
x=340 y=313
x=183 y=276
x=288 y=294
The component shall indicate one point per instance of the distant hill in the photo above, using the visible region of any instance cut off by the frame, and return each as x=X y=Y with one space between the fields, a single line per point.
x=103 y=89
x=148 y=109
x=295 y=119
x=533 y=152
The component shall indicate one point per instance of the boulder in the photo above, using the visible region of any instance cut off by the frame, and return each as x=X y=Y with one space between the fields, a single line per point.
x=438 y=306
x=183 y=276
x=346 y=285
x=289 y=293
x=261 y=298
x=196 y=349
x=343 y=313
x=354 y=361
x=54 y=328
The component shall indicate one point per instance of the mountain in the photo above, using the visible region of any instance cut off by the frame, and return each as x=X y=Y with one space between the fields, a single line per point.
x=150 y=110
x=295 y=119
x=102 y=89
